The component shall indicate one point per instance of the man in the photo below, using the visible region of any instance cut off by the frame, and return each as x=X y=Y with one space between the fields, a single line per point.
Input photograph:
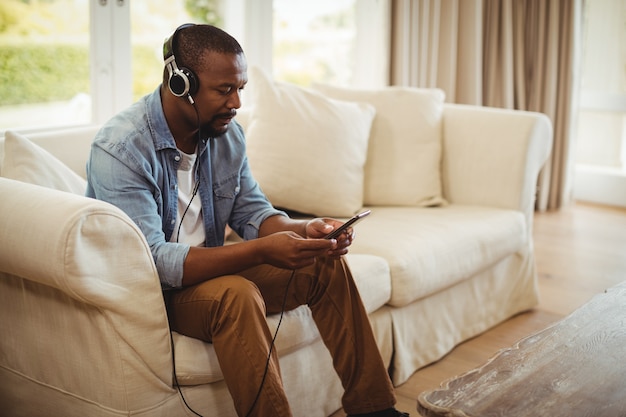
x=175 y=163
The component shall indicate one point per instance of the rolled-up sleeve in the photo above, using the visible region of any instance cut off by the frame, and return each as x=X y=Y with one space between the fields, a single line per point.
x=251 y=206
x=116 y=176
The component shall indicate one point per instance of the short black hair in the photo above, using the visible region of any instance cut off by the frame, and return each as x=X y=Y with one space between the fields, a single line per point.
x=192 y=44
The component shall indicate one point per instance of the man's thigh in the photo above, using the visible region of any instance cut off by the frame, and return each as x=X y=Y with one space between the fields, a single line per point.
x=195 y=311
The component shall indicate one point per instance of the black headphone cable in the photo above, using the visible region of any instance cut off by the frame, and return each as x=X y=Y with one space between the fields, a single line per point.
x=195 y=191
x=196 y=176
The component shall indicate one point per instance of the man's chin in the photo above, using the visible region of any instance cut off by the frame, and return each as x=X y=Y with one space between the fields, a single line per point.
x=215 y=130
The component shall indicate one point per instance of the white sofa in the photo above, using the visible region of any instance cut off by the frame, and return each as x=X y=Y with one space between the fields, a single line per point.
x=84 y=328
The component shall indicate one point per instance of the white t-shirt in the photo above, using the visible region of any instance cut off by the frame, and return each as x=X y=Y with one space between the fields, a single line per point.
x=189 y=206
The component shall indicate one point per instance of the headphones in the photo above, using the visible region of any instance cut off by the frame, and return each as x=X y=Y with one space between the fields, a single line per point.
x=182 y=81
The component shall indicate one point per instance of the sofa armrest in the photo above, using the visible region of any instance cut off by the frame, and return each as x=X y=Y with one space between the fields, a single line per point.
x=493 y=156
x=80 y=300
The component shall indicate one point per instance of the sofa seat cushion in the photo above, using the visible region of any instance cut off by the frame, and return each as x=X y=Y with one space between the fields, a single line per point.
x=196 y=362
x=429 y=249
x=372 y=278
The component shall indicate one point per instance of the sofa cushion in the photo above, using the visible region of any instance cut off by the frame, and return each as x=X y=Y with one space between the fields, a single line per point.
x=196 y=362
x=24 y=161
x=307 y=151
x=404 y=155
x=429 y=249
x=372 y=278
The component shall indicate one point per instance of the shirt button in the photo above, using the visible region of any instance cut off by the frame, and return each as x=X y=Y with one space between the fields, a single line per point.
x=173 y=221
x=177 y=158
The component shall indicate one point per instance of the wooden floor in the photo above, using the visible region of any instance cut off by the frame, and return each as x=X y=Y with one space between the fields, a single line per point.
x=580 y=251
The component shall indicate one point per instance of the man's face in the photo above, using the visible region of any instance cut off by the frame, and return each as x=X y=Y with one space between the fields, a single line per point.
x=219 y=94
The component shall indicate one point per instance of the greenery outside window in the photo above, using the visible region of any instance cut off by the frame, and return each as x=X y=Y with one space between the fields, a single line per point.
x=75 y=62
x=44 y=63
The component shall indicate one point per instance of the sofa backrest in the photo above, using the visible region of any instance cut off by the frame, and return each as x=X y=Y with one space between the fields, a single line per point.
x=71 y=146
x=292 y=138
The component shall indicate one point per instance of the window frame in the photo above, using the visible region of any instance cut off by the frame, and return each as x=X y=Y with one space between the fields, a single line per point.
x=110 y=58
x=110 y=54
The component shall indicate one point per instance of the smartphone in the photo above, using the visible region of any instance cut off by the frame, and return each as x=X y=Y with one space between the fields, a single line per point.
x=353 y=220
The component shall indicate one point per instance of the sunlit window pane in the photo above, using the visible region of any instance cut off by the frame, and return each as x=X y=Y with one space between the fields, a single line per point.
x=314 y=41
x=601 y=129
x=601 y=133
x=152 y=21
x=44 y=63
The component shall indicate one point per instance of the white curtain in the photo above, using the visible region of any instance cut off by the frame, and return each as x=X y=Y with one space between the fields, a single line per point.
x=516 y=54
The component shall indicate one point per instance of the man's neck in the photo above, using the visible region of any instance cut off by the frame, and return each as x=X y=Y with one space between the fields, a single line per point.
x=188 y=144
x=185 y=135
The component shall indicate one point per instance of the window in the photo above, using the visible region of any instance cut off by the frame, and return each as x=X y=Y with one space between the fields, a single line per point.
x=602 y=118
x=600 y=174
x=314 y=41
x=44 y=61
x=73 y=62
x=341 y=42
x=152 y=21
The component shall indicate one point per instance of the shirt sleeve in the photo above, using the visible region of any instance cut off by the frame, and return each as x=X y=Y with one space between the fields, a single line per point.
x=116 y=177
x=251 y=206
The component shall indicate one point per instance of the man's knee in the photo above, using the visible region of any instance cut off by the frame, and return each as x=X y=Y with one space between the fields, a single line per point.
x=202 y=310
x=240 y=294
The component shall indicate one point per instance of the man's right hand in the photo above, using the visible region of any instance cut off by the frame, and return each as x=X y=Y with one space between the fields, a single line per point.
x=289 y=250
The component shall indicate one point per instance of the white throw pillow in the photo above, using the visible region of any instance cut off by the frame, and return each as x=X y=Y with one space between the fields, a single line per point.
x=307 y=151
x=25 y=161
x=404 y=156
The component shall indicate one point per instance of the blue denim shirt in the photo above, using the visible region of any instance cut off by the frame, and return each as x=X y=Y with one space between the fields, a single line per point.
x=133 y=165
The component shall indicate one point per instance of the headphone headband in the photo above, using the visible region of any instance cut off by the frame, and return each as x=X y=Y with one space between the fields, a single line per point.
x=169 y=44
x=182 y=81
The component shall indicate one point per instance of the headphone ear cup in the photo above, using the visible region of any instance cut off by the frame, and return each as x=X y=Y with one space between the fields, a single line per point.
x=191 y=80
x=183 y=82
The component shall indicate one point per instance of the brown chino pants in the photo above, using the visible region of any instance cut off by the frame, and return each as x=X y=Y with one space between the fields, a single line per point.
x=230 y=311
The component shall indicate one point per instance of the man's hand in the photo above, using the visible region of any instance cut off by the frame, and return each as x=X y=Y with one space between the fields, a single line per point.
x=289 y=250
x=282 y=242
x=319 y=228
x=308 y=231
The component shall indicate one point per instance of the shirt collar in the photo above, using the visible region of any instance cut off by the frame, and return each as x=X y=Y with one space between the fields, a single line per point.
x=161 y=133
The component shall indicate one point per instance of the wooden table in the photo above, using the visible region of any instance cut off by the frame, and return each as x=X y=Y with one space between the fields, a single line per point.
x=575 y=368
